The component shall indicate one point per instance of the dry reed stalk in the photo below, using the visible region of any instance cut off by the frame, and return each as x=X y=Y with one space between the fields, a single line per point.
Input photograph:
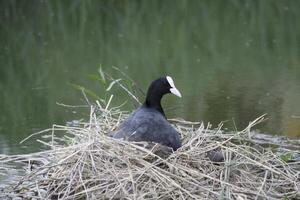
x=87 y=163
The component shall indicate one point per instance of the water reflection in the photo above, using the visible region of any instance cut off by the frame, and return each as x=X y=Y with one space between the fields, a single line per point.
x=233 y=98
x=4 y=148
x=233 y=61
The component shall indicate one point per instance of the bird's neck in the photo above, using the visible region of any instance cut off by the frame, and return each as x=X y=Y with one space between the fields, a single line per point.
x=154 y=102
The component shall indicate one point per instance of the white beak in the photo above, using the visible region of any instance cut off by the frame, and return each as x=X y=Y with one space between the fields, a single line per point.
x=173 y=89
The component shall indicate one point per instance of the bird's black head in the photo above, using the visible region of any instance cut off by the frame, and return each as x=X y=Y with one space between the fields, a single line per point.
x=157 y=89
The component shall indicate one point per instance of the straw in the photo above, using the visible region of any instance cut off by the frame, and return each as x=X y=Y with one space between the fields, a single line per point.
x=88 y=163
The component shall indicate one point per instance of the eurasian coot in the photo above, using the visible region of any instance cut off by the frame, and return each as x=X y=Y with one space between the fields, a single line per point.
x=148 y=122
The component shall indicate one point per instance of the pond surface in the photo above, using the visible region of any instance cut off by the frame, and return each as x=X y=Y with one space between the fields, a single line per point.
x=232 y=61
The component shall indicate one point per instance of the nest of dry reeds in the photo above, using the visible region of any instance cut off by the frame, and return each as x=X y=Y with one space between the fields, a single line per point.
x=84 y=162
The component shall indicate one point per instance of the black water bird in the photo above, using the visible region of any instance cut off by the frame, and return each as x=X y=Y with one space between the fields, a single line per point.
x=148 y=122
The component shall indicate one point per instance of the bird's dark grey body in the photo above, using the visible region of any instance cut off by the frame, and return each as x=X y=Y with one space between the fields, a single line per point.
x=148 y=124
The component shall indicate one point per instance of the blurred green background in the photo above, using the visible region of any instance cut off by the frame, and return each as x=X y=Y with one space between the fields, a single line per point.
x=232 y=60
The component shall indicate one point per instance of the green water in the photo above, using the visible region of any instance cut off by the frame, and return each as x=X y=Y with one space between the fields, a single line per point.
x=232 y=60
